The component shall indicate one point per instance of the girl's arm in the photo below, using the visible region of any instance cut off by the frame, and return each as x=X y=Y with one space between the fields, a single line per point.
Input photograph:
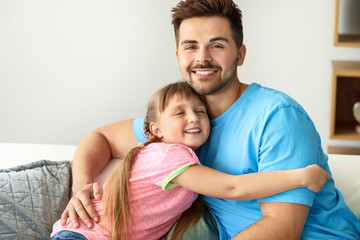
x=213 y=183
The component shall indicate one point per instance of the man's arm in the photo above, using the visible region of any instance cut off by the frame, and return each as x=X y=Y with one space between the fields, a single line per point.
x=280 y=221
x=289 y=141
x=95 y=150
x=93 y=153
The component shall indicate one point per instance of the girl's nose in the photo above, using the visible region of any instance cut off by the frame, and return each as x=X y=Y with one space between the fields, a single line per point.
x=193 y=117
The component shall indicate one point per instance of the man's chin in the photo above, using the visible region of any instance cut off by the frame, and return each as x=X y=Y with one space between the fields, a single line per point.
x=204 y=90
x=200 y=86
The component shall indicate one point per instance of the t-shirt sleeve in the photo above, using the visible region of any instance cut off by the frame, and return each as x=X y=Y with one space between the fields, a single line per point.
x=176 y=160
x=290 y=141
x=138 y=129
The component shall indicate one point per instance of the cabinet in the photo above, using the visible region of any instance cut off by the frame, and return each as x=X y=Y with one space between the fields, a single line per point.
x=345 y=78
x=347 y=23
x=345 y=93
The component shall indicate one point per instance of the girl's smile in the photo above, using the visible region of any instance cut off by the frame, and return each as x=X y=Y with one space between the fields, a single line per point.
x=184 y=121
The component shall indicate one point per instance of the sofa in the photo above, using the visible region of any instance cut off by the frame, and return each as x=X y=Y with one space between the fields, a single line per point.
x=35 y=182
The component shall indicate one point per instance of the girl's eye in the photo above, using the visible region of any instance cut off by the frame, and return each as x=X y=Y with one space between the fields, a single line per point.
x=200 y=111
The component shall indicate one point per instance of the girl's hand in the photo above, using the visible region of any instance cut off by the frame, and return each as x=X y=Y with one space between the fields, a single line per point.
x=315 y=177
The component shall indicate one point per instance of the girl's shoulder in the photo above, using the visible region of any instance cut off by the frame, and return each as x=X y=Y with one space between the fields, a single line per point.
x=170 y=148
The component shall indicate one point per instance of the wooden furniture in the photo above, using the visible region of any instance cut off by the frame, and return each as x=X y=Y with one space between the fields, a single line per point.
x=345 y=78
x=343 y=150
x=345 y=93
x=347 y=11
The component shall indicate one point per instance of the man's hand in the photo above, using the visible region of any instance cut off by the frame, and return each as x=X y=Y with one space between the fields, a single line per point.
x=92 y=155
x=80 y=205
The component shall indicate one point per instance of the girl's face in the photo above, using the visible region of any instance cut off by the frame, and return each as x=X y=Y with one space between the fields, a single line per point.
x=184 y=121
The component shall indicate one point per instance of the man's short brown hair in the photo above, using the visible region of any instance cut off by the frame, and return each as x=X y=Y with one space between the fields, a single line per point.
x=207 y=8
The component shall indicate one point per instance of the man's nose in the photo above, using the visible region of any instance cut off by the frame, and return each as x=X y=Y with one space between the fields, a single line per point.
x=203 y=56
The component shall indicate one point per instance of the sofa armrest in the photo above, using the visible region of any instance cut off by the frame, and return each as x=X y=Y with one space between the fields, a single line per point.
x=15 y=154
x=345 y=171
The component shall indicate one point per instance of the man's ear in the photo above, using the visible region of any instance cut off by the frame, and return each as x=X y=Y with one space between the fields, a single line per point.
x=241 y=55
x=154 y=129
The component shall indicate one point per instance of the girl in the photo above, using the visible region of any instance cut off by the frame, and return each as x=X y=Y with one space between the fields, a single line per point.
x=160 y=179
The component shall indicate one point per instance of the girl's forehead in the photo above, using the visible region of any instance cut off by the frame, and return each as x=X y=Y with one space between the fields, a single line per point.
x=178 y=97
x=182 y=102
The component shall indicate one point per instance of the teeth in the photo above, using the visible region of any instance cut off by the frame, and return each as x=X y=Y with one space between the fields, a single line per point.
x=204 y=72
x=193 y=131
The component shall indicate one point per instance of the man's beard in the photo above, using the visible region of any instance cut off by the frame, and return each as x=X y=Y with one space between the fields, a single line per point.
x=212 y=87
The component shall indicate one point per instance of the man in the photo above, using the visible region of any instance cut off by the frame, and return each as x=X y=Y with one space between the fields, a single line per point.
x=252 y=129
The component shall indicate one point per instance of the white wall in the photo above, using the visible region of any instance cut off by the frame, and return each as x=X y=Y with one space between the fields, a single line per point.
x=67 y=67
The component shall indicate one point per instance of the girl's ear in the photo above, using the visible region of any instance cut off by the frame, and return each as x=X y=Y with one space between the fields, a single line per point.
x=154 y=129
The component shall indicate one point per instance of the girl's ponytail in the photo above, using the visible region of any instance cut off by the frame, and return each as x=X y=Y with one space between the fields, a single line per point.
x=188 y=219
x=117 y=196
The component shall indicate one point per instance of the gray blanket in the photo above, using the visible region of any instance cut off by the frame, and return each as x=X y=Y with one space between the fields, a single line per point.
x=32 y=198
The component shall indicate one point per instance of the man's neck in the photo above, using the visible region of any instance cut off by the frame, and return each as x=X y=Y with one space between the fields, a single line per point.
x=218 y=103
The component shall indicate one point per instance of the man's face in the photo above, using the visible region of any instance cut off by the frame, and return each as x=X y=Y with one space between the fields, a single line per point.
x=207 y=54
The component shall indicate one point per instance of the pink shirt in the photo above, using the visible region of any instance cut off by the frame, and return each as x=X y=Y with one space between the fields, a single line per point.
x=153 y=211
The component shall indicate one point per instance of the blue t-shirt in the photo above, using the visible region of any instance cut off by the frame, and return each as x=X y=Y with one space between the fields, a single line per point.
x=266 y=130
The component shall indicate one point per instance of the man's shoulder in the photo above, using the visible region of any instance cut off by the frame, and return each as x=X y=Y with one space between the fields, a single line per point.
x=272 y=99
x=138 y=129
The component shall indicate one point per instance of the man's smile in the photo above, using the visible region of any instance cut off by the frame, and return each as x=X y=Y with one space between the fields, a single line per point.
x=202 y=72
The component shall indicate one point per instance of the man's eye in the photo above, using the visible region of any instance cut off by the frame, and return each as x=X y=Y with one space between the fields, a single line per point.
x=218 y=46
x=189 y=48
x=179 y=113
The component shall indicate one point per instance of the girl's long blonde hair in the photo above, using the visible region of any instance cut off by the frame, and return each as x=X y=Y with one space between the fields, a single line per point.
x=117 y=193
